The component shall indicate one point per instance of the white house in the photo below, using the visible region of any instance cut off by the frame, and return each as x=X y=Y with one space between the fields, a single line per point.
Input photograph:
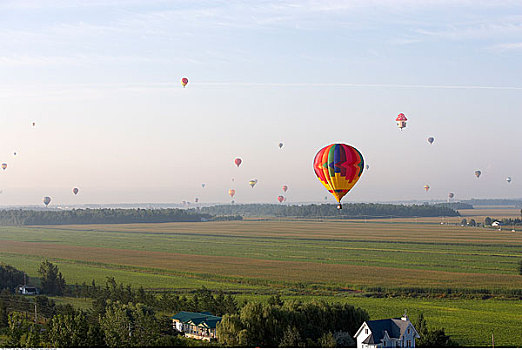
x=27 y=290
x=388 y=333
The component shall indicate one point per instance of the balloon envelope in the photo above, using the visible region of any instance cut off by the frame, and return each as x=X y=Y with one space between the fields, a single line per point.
x=430 y=140
x=184 y=82
x=451 y=195
x=4 y=166
x=427 y=188
x=508 y=179
x=75 y=190
x=252 y=183
x=280 y=145
x=285 y=188
x=280 y=199
x=237 y=161
x=231 y=192
x=47 y=200
x=478 y=173
x=338 y=167
x=203 y=185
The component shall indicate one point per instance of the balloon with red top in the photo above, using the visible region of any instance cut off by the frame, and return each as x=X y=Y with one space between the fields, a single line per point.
x=237 y=162
x=184 y=81
x=75 y=190
x=285 y=188
x=280 y=199
x=401 y=121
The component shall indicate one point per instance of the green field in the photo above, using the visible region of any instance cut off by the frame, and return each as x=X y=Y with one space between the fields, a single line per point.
x=311 y=257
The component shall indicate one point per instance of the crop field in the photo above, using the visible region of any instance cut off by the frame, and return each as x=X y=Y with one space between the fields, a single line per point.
x=314 y=257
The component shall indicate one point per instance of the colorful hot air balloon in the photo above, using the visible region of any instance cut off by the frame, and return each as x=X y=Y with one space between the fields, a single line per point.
x=280 y=199
x=280 y=145
x=430 y=140
x=401 y=121
x=285 y=188
x=231 y=192
x=75 y=190
x=508 y=179
x=237 y=162
x=184 y=81
x=252 y=183
x=47 y=200
x=338 y=167
x=4 y=166
x=451 y=195
x=478 y=173
x=427 y=188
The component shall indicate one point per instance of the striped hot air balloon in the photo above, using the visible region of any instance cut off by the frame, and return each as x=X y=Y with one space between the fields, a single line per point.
x=338 y=167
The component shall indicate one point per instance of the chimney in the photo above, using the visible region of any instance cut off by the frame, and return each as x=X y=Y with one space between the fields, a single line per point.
x=405 y=316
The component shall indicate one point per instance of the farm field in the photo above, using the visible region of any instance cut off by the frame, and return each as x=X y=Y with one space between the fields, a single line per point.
x=319 y=259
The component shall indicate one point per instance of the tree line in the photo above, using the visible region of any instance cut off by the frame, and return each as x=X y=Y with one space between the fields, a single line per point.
x=99 y=216
x=349 y=211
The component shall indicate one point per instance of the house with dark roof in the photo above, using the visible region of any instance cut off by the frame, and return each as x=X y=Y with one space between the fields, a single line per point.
x=27 y=290
x=388 y=333
x=196 y=325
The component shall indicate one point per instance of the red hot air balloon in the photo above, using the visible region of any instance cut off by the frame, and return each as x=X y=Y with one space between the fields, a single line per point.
x=401 y=121
x=237 y=162
x=184 y=81
x=231 y=192
x=75 y=190
x=338 y=167
x=280 y=199
x=285 y=188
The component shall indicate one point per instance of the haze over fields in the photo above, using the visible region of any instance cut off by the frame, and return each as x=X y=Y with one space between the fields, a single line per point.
x=101 y=80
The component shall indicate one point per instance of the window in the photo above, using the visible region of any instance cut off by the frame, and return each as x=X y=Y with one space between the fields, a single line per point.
x=366 y=330
x=408 y=331
x=409 y=343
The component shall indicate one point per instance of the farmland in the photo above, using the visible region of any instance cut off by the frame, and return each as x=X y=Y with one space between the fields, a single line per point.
x=314 y=258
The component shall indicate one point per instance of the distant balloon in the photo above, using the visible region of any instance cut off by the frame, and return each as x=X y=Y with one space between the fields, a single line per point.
x=252 y=183
x=430 y=140
x=4 y=166
x=47 y=200
x=34 y=124
x=184 y=82
x=401 y=121
x=280 y=145
x=238 y=161
x=508 y=179
x=478 y=173
x=285 y=188
x=232 y=179
x=203 y=185
x=231 y=192
x=367 y=167
x=14 y=153
x=75 y=190
x=427 y=188
x=451 y=195
x=196 y=200
x=325 y=198
x=338 y=167
x=280 y=199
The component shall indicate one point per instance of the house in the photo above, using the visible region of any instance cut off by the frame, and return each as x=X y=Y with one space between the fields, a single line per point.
x=388 y=333
x=27 y=290
x=196 y=325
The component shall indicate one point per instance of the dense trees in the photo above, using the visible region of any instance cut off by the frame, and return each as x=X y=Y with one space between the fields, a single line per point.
x=358 y=210
x=98 y=216
x=10 y=277
x=51 y=279
x=435 y=338
x=292 y=324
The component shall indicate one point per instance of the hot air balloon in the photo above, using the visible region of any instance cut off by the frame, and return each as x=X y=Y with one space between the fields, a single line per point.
x=285 y=188
x=184 y=81
x=478 y=173
x=508 y=179
x=47 y=200
x=280 y=145
x=427 y=188
x=367 y=167
x=325 y=198
x=34 y=124
x=252 y=183
x=451 y=195
x=401 y=121
x=231 y=192
x=14 y=153
x=280 y=199
x=4 y=166
x=196 y=200
x=238 y=161
x=203 y=185
x=75 y=190
x=430 y=140
x=338 y=167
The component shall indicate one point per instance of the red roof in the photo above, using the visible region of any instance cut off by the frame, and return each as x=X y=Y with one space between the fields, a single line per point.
x=401 y=118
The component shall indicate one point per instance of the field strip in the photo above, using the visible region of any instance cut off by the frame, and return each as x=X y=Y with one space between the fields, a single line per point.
x=349 y=275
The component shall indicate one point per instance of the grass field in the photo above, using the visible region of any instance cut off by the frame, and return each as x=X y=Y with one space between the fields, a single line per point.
x=259 y=257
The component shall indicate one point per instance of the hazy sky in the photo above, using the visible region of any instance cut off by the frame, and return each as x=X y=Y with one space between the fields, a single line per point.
x=101 y=79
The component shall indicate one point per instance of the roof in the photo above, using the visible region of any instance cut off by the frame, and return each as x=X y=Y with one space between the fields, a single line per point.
x=395 y=327
x=401 y=117
x=204 y=319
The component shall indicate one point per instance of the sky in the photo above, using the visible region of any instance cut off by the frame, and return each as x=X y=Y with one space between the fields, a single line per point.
x=101 y=80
